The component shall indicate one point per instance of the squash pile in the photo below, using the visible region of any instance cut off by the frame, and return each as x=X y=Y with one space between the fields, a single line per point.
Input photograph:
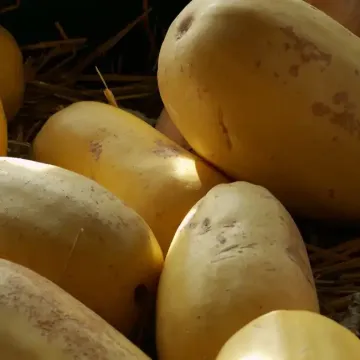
x=114 y=232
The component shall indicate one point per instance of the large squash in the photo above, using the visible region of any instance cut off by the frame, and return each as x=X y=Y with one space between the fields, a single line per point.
x=40 y=321
x=152 y=174
x=12 y=81
x=80 y=236
x=292 y=335
x=237 y=255
x=268 y=92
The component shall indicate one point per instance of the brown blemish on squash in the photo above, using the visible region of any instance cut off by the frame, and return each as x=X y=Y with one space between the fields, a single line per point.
x=222 y=259
x=276 y=75
x=320 y=109
x=331 y=193
x=341 y=97
x=356 y=72
x=230 y=224
x=40 y=301
x=249 y=246
x=307 y=50
x=258 y=63
x=335 y=138
x=294 y=70
x=229 y=248
x=205 y=226
x=287 y=46
x=95 y=149
x=184 y=26
x=221 y=239
x=347 y=121
x=224 y=129
x=166 y=150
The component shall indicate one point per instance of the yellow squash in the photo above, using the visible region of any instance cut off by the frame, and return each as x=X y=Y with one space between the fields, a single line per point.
x=80 y=236
x=12 y=82
x=40 y=321
x=237 y=255
x=268 y=91
x=292 y=335
x=151 y=173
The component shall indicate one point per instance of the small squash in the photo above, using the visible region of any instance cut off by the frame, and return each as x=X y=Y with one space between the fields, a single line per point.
x=292 y=335
x=237 y=255
x=159 y=179
x=77 y=234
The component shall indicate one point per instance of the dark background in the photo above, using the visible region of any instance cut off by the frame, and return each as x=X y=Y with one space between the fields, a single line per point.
x=97 y=20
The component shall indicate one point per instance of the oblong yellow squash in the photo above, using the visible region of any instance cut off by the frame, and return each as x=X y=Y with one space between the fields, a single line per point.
x=266 y=92
x=80 y=236
x=152 y=174
x=292 y=335
x=40 y=321
x=237 y=255
x=12 y=81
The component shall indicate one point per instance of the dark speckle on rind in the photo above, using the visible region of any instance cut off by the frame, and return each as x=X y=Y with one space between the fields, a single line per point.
x=258 y=63
x=320 y=109
x=95 y=148
x=224 y=129
x=287 y=46
x=184 y=26
x=221 y=239
x=331 y=193
x=294 y=70
x=356 y=72
x=205 y=226
x=276 y=75
x=308 y=51
x=340 y=97
x=166 y=150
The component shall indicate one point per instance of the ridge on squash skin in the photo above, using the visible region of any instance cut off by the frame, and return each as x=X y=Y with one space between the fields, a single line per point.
x=279 y=109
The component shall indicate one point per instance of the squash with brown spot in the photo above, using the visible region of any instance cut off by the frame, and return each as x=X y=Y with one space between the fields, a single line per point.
x=291 y=335
x=40 y=321
x=237 y=255
x=268 y=92
x=151 y=173
x=80 y=236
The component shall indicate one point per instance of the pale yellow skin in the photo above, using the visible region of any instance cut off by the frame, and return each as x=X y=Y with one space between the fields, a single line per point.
x=268 y=92
x=12 y=81
x=80 y=236
x=3 y=131
x=237 y=255
x=40 y=321
x=292 y=335
x=152 y=174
